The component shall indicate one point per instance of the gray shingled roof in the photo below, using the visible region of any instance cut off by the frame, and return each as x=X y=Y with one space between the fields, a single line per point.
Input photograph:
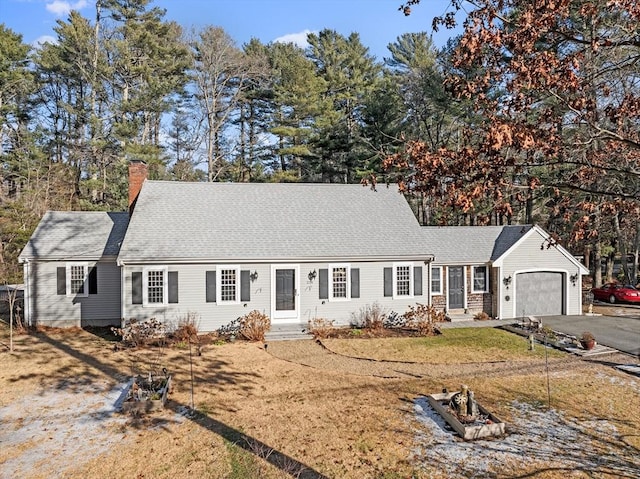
x=471 y=244
x=178 y=221
x=81 y=235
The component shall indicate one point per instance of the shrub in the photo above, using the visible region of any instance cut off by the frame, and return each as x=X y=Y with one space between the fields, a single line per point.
x=320 y=328
x=481 y=316
x=187 y=329
x=424 y=318
x=230 y=330
x=394 y=320
x=254 y=325
x=139 y=333
x=370 y=317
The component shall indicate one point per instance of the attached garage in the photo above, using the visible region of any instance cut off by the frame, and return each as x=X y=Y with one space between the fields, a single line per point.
x=508 y=272
x=539 y=293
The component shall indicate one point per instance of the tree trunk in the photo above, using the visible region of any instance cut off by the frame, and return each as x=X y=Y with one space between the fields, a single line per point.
x=610 y=261
x=529 y=207
x=210 y=146
x=597 y=253
x=622 y=247
x=587 y=257
x=636 y=254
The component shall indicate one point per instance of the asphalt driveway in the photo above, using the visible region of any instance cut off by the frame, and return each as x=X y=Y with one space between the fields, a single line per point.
x=619 y=332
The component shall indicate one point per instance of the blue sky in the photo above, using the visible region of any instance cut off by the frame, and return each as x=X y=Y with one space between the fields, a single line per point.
x=377 y=21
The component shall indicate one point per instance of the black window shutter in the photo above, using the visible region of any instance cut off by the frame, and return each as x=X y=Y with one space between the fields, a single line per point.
x=388 y=281
x=93 y=280
x=355 y=282
x=245 y=286
x=61 y=275
x=417 y=281
x=210 y=286
x=173 y=286
x=136 y=287
x=323 y=283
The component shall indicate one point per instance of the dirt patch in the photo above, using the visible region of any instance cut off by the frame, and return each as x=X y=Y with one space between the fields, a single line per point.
x=547 y=438
x=75 y=421
x=297 y=410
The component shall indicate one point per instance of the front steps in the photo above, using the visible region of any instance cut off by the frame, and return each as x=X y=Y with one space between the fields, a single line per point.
x=287 y=332
x=457 y=315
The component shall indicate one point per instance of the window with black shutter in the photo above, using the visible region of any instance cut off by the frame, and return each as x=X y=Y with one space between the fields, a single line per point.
x=323 y=284
x=210 y=286
x=93 y=280
x=388 y=281
x=173 y=286
x=136 y=287
x=61 y=276
x=245 y=285
x=355 y=282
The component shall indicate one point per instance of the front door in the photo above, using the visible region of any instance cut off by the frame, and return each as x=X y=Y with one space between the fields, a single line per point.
x=285 y=294
x=456 y=287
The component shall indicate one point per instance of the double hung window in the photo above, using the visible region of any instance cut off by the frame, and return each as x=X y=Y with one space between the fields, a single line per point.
x=77 y=279
x=155 y=286
x=228 y=284
x=436 y=280
x=480 y=279
x=403 y=280
x=340 y=282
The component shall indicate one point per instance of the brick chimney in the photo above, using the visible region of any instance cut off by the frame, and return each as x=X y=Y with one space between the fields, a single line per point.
x=137 y=175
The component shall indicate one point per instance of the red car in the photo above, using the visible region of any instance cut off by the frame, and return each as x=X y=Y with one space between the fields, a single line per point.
x=616 y=293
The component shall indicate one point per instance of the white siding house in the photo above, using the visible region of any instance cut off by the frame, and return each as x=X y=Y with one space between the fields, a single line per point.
x=505 y=271
x=216 y=251
x=292 y=251
x=70 y=271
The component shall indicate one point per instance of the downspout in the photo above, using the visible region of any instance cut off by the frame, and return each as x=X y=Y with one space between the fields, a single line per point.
x=499 y=292
x=445 y=274
x=465 y=292
x=427 y=263
x=27 y=293
x=428 y=285
x=123 y=299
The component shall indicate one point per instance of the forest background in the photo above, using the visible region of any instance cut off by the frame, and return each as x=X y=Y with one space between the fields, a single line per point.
x=530 y=115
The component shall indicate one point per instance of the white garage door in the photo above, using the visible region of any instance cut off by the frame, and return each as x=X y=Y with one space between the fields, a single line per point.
x=539 y=294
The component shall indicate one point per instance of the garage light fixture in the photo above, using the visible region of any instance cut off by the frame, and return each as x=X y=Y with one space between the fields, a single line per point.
x=574 y=278
x=507 y=281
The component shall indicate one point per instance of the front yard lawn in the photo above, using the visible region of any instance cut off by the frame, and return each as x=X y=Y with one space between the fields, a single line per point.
x=260 y=416
x=453 y=346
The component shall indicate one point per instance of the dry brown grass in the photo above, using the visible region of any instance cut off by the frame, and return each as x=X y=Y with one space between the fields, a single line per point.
x=453 y=346
x=259 y=416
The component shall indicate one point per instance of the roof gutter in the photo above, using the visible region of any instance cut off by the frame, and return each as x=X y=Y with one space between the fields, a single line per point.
x=31 y=259
x=303 y=259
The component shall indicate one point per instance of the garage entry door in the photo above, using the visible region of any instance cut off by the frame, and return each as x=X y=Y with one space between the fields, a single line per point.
x=540 y=293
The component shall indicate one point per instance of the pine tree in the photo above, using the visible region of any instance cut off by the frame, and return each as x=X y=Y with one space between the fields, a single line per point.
x=350 y=73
